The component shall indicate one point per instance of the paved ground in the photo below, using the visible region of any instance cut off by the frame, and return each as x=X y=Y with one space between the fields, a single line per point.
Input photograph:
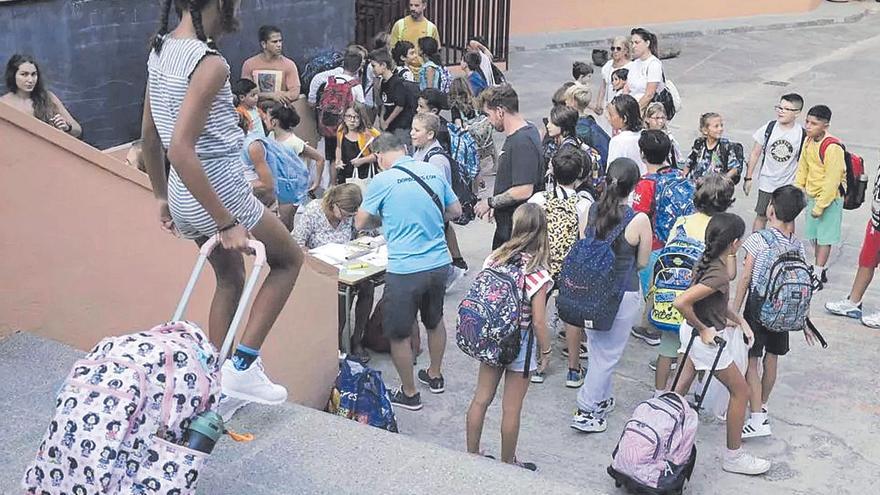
x=826 y=406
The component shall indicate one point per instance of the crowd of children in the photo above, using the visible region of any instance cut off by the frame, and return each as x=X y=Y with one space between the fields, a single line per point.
x=589 y=242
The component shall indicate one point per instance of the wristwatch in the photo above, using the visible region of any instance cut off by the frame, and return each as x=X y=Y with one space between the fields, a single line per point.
x=491 y=202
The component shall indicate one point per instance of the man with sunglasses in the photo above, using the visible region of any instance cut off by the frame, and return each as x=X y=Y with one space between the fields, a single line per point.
x=777 y=149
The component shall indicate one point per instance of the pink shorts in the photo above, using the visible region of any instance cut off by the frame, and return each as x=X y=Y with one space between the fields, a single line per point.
x=870 y=255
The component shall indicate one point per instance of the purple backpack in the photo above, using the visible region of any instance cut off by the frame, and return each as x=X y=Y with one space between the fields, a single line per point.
x=656 y=452
x=488 y=325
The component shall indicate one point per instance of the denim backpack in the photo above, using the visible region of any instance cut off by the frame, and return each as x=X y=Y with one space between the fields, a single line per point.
x=595 y=137
x=673 y=273
x=782 y=292
x=590 y=289
x=673 y=198
x=363 y=396
x=290 y=172
x=488 y=325
x=121 y=414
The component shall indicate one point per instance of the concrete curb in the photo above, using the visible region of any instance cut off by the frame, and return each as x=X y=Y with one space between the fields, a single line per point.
x=693 y=33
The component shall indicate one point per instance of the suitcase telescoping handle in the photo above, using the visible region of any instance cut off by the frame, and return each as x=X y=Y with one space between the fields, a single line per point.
x=204 y=252
x=721 y=344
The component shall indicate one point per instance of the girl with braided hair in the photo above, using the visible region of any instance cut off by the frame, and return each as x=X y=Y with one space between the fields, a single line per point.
x=707 y=312
x=188 y=113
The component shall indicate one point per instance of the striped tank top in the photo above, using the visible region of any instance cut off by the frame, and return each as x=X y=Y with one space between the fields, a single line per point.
x=217 y=147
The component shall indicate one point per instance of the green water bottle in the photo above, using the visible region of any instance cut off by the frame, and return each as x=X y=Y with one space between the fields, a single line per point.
x=204 y=431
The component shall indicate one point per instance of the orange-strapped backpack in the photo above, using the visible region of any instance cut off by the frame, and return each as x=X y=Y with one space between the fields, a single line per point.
x=856 y=178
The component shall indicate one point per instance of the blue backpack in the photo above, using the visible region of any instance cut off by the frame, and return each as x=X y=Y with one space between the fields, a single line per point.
x=673 y=273
x=463 y=149
x=488 y=325
x=290 y=172
x=321 y=62
x=673 y=198
x=363 y=396
x=782 y=294
x=590 y=290
x=595 y=137
x=441 y=81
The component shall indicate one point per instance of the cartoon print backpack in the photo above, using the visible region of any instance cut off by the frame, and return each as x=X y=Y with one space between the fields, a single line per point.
x=590 y=290
x=856 y=178
x=673 y=198
x=290 y=172
x=441 y=77
x=363 y=396
x=488 y=325
x=673 y=273
x=122 y=410
x=337 y=96
x=463 y=149
x=656 y=452
x=781 y=299
x=562 y=226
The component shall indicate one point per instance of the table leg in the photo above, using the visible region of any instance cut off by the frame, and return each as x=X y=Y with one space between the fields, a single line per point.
x=346 y=328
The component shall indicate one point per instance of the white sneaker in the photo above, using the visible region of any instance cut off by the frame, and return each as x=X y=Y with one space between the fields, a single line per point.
x=754 y=429
x=251 y=384
x=872 y=320
x=227 y=407
x=453 y=276
x=844 y=308
x=745 y=463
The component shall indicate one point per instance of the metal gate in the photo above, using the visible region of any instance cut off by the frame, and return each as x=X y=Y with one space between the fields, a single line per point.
x=456 y=20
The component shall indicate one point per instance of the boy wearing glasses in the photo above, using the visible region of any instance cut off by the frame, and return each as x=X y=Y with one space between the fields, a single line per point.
x=776 y=152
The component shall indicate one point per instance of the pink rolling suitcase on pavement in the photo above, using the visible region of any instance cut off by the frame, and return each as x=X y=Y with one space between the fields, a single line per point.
x=123 y=413
x=656 y=452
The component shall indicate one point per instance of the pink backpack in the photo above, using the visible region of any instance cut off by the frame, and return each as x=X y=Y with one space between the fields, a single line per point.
x=121 y=411
x=656 y=453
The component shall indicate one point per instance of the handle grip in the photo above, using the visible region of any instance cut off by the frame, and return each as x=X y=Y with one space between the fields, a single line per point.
x=207 y=248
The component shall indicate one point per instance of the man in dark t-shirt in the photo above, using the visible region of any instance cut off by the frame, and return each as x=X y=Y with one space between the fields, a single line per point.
x=398 y=101
x=520 y=166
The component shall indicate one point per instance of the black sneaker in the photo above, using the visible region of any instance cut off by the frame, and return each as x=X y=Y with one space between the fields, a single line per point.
x=824 y=277
x=435 y=384
x=400 y=399
x=461 y=263
x=531 y=466
x=647 y=334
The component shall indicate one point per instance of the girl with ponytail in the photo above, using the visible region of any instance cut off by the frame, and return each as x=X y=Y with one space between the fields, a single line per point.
x=188 y=115
x=631 y=248
x=705 y=306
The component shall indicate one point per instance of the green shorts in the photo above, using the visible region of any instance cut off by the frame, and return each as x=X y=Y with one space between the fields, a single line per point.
x=825 y=230
x=669 y=344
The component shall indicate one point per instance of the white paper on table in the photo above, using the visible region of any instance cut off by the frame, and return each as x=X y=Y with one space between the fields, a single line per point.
x=331 y=253
x=378 y=258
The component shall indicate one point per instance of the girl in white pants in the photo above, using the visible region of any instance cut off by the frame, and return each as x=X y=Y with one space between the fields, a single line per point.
x=632 y=250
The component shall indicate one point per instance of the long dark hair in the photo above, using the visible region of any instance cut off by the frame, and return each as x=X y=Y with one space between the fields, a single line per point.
x=648 y=36
x=44 y=107
x=628 y=108
x=228 y=21
x=623 y=173
x=430 y=49
x=723 y=229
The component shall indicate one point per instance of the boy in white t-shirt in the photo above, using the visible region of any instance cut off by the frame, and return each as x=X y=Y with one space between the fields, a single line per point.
x=775 y=154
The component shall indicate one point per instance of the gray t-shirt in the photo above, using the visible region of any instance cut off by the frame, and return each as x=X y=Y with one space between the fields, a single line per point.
x=438 y=160
x=780 y=157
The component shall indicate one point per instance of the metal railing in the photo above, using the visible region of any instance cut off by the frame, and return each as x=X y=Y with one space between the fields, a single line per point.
x=456 y=20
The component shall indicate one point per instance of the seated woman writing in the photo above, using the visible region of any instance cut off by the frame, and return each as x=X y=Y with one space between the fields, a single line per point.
x=331 y=220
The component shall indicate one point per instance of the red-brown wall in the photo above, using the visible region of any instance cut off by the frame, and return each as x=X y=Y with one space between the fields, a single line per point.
x=82 y=257
x=548 y=16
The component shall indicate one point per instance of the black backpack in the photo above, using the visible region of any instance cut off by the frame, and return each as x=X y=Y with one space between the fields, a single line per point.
x=461 y=186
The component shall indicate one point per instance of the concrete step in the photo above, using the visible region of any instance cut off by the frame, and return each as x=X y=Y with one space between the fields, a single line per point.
x=296 y=450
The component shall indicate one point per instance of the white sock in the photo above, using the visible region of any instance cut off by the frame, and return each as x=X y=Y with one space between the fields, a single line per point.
x=817 y=270
x=764 y=408
x=658 y=393
x=758 y=418
x=731 y=454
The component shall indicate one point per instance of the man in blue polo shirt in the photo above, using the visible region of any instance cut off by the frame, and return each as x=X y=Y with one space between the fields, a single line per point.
x=411 y=200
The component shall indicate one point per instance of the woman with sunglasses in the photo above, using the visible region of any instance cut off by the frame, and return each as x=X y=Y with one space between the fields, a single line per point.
x=331 y=220
x=620 y=50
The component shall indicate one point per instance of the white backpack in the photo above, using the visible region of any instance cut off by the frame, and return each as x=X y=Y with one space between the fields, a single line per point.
x=120 y=412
